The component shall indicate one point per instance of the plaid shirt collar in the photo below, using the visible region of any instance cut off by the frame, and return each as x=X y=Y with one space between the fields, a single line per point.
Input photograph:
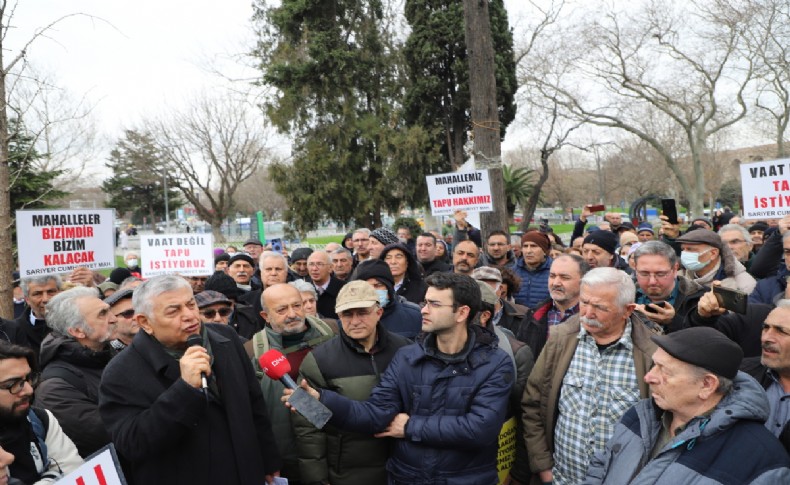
x=625 y=339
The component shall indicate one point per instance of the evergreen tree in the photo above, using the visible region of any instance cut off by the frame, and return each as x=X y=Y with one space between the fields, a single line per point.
x=137 y=183
x=30 y=188
x=438 y=98
x=337 y=70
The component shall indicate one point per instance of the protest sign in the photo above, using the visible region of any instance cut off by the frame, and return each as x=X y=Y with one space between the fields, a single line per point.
x=101 y=468
x=469 y=191
x=766 y=189
x=57 y=241
x=184 y=254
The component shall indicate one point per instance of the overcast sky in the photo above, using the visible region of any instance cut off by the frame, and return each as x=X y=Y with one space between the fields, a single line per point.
x=132 y=58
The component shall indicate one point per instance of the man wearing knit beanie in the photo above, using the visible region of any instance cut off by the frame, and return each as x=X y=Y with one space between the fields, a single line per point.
x=533 y=269
x=599 y=250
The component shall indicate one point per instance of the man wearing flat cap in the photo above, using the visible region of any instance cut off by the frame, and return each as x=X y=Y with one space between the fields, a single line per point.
x=706 y=259
x=703 y=424
x=533 y=268
x=599 y=250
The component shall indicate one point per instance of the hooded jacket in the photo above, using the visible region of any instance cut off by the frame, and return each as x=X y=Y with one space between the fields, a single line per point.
x=729 y=446
x=70 y=389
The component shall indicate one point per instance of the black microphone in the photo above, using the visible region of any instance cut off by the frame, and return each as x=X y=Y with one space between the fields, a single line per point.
x=197 y=340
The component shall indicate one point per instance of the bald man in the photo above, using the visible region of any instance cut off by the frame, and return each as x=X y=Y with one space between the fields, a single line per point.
x=294 y=334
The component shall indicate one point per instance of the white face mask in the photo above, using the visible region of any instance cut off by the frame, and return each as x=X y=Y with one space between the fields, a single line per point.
x=132 y=263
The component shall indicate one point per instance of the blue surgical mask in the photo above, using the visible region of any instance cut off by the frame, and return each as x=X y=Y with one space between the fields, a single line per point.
x=132 y=263
x=384 y=297
x=691 y=260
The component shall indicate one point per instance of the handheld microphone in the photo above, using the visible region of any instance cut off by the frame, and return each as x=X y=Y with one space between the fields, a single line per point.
x=276 y=366
x=197 y=340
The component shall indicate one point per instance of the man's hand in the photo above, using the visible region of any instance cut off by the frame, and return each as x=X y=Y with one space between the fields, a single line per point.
x=397 y=428
x=784 y=224
x=708 y=305
x=287 y=394
x=195 y=361
x=585 y=213
x=546 y=476
x=460 y=219
x=82 y=276
x=668 y=229
x=270 y=478
x=662 y=315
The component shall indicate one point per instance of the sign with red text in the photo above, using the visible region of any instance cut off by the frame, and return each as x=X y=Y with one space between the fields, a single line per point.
x=57 y=241
x=101 y=468
x=184 y=254
x=766 y=189
x=469 y=191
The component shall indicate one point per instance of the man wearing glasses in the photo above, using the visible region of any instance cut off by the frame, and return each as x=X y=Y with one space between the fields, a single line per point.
x=350 y=365
x=663 y=296
x=443 y=400
x=40 y=447
x=327 y=286
x=125 y=327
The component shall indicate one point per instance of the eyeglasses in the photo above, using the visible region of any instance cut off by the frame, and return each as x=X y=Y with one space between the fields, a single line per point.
x=360 y=240
x=659 y=276
x=223 y=312
x=127 y=314
x=15 y=386
x=436 y=305
x=316 y=265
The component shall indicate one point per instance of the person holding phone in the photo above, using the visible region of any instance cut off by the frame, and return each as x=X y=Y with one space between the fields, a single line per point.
x=662 y=296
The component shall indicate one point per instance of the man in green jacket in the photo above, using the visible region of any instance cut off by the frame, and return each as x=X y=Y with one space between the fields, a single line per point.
x=350 y=365
x=294 y=334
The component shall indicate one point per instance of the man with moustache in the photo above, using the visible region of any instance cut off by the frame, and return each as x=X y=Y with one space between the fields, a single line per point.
x=565 y=276
x=533 y=269
x=588 y=375
x=295 y=335
x=327 y=286
x=465 y=257
x=73 y=357
x=42 y=452
x=166 y=426
x=772 y=370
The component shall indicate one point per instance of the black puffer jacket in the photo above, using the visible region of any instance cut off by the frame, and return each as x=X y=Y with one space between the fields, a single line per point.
x=331 y=455
x=70 y=390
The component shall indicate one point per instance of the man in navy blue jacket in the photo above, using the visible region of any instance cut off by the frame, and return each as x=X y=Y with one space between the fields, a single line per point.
x=443 y=399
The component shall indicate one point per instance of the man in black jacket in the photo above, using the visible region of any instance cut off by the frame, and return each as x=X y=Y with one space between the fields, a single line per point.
x=772 y=370
x=31 y=327
x=169 y=427
x=350 y=365
x=73 y=357
x=426 y=255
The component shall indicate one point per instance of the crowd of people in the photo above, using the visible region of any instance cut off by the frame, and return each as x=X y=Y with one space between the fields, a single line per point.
x=454 y=358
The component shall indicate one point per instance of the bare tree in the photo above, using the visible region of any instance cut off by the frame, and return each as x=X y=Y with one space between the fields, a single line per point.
x=770 y=38
x=668 y=64
x=210 y=148
x=11 y=67
x=258 y=193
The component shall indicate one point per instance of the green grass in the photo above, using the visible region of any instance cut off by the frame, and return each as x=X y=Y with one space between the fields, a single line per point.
x=324 y=239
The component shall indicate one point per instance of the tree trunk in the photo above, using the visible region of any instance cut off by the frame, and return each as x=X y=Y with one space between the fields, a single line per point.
x=6 y=219
x=532 y=203
x=485 y=116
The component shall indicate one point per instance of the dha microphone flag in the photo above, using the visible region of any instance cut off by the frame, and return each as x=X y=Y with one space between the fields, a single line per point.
x=276 y=366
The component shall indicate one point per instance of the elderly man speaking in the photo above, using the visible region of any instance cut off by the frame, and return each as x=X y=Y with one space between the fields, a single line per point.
x=168 y=427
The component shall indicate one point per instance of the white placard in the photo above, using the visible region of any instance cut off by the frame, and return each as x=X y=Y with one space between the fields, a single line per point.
x=469 y=191
x=766 y=189
x=186 y=254
x=57 y=241
x=101 y=468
